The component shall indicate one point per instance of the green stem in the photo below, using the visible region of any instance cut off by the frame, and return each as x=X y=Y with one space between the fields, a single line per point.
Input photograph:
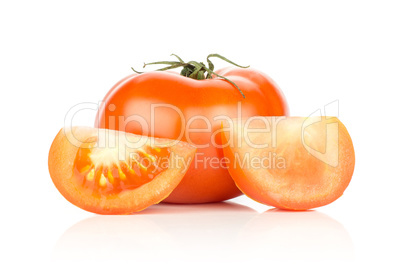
x=225 y=59
x=196 y=70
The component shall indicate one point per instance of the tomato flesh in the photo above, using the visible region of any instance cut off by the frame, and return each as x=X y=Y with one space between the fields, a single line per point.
x=98 y=172
x=109 y=172
x=306 y=165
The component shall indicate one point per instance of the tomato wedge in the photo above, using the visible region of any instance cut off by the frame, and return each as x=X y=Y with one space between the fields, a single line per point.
x=291 y=163
x=113 y=172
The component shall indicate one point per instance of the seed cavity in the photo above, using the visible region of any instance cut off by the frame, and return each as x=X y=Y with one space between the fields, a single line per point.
x=85 y=169
x=110 y=176
x=141 y=166
x=90 y=176
x=102 y=180
x=111 y=170
x=122 y=176
x=146 y=155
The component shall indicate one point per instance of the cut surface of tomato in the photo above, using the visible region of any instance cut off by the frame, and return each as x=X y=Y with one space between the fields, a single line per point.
x=291 y=163
x=112 y=172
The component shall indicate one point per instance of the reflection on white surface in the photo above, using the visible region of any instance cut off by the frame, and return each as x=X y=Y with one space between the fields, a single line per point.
x=303 y=235
x=159 y=233
x=220 y=232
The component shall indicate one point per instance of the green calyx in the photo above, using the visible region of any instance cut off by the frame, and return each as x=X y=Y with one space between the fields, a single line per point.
x=196 y=70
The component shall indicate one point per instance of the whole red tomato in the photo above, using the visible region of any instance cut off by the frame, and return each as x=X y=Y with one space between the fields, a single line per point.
x=170 y=105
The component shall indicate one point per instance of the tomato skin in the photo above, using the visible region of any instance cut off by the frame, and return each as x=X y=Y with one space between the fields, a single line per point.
x=132 y=98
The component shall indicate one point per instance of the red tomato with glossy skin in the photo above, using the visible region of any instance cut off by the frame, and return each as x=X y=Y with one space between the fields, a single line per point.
x=168 y=105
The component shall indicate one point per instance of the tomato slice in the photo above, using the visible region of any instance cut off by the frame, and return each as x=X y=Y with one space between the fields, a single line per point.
x=291 y=163
x=113 y=172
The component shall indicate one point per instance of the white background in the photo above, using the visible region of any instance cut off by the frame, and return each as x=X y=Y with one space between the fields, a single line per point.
x=56 y=54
